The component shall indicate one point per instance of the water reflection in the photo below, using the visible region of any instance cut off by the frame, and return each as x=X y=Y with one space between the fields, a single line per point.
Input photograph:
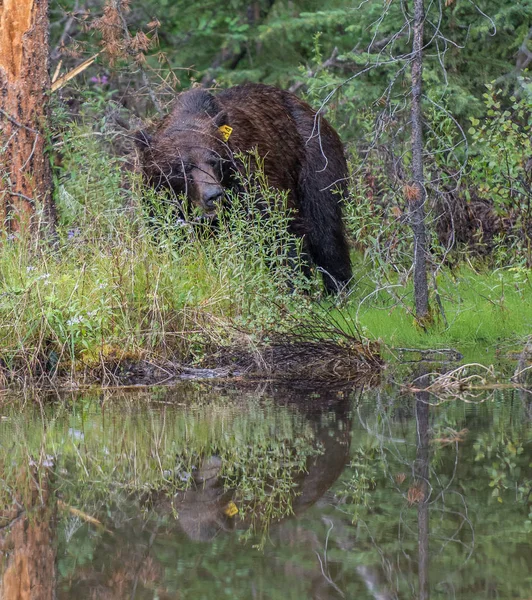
x=27 y=539
x=199 y=492
x=422 y=475
x=295 y=472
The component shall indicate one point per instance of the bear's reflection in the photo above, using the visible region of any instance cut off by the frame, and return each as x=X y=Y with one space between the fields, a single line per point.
x=208 y=508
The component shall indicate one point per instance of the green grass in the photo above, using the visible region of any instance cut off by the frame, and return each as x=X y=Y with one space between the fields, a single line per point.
x=484 y=311
x=127 y=295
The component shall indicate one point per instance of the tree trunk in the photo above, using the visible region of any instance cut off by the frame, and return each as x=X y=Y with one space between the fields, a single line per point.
x=417 y=194
x=25 y=169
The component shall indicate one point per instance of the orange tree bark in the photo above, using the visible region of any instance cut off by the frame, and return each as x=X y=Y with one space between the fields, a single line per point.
x=25 y=169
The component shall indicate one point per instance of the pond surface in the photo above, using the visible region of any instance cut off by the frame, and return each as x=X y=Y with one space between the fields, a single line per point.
x=208 y=492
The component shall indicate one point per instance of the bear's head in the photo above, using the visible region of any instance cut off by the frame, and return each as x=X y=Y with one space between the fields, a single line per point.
x=188 y=152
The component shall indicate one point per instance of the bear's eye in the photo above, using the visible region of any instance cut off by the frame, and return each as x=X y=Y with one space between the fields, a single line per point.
x=213 y=162
x=177 y=173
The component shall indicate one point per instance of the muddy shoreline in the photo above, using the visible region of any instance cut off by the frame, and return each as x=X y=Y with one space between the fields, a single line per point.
x=323 y=361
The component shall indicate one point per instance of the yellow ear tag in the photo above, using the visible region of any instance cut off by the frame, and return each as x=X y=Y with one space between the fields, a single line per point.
x=231 y=509
x=226 y=131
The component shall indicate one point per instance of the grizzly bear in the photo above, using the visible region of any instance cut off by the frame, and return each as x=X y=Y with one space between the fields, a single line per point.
x=192 y=152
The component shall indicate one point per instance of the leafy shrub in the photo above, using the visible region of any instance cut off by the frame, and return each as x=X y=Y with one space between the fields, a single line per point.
x=501 y=170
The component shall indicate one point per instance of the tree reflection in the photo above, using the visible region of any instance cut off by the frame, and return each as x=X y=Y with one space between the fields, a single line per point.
x=27 y=539
x=421 y=474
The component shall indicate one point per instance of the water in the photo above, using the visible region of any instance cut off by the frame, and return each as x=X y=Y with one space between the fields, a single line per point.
x=211 y=493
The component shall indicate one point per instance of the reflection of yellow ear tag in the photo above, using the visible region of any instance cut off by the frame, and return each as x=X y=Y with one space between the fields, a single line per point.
x=231 y=510
x=226 y=131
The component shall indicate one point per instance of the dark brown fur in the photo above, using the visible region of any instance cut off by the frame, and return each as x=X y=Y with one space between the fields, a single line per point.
x=301 y=152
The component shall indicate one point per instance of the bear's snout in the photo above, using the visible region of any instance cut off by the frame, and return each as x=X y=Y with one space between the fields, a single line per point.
x=208 y=189
x=211 y=196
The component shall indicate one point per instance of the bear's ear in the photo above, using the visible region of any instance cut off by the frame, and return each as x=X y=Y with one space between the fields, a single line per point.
x=142 y=139
x=221 y=119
